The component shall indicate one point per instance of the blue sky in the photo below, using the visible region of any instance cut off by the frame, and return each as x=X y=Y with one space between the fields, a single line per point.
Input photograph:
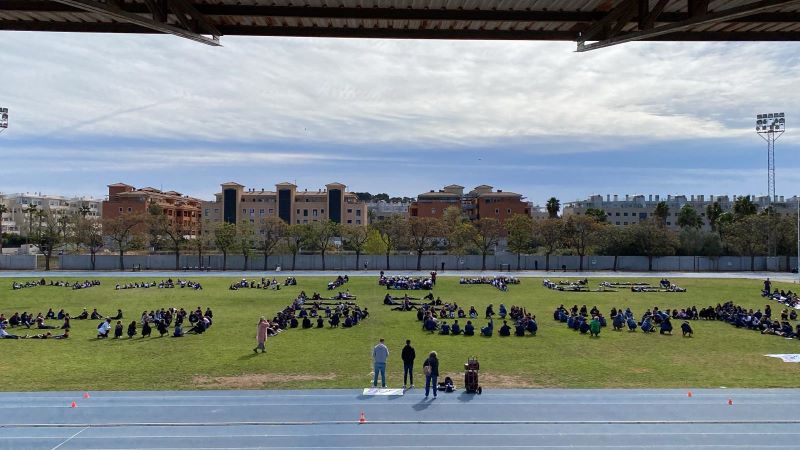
x=401 y=117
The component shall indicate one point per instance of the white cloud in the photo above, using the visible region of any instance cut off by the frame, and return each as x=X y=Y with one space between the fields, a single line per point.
x=371 y=91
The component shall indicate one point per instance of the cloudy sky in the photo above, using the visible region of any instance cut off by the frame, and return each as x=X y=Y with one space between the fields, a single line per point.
x=401 y=117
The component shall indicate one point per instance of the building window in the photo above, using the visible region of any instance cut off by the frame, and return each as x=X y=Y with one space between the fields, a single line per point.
x=314 y=213
x=669 y=223
x=305 y=213
x=244 y=210
x=358 y=213
x=305 y=220
x=216 y=210
x=497 y=211
x=206 y=211
x=261 y=212
x=252 y=211
x=617 y=214
x=298 y=211
x=130 y=209
x=349 y=211
x=625 y=223
x=617 y=223
x=120 y=210
x=358 y=221
x=508 y=210
x=625 y=214
x=322 y=211
x=433 y=210
x=349 y=221
x=270 y=211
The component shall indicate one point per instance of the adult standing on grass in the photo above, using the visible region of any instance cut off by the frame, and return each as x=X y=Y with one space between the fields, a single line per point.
x=408 y=356
x=261 y=335
x=379 y=356
x=431 y=369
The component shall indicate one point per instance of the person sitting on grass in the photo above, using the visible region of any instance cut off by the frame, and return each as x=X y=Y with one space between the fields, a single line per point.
x=118 y=316
x=686 y=329
x=161 y=326
x=583 y=327
x=647 y=326
x=5 y=335
x=444 y=329
x=42 y=326
x=348 y=322
x=489 y=311
x=666 y=327
x=146 y=329
x=52 y=315
x=488 y=329
x=455 y=329
x=178 y=330
x=132 y=329
x=632 y=325
x=505 y=330
x=306 y=323
x=118 y=330
x=618 y=322
x=83 y=315
x=103 y=329
x=473 y=314
x=519 y=329
x=334 y=321
x=430 y=323
x=320 y=322
x=503 y=311
x=469 y=329
x=594 y=327
x=96 y=315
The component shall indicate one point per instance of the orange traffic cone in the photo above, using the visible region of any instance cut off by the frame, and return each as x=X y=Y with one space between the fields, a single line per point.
x=362 y=418
x=730 y=402
x=689 y=394
x=73 y=405
x=85 y=395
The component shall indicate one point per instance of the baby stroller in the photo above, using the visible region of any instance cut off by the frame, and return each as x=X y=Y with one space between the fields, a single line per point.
x=471 y=376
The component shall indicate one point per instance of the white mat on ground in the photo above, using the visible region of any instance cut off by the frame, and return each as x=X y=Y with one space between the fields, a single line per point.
x=382 y=391
x=787 y=357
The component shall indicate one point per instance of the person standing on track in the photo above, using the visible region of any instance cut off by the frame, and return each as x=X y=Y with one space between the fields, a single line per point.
x=431 y=369
x=408 y=356
x=261 y=335
x=379 y=356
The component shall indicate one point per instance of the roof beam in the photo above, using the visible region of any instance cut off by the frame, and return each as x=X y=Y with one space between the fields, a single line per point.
x=648 y=17
x=115 y=13
x=706 y=19
x=616 y=15
x=387 y=13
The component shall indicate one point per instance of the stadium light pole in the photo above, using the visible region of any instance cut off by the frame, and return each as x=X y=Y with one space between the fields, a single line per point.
x=3 y=119
x=770 y=127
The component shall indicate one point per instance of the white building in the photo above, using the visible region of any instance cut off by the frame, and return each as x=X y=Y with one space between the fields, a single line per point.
x=15 y=219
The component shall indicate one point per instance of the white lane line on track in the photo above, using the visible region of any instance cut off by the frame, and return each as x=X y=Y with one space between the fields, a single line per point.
x=69 y=438
x=411 y=422
x=355 y=435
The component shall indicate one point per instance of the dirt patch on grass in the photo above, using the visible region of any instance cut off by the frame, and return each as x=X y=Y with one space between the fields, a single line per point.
x=640 y=370
x=255 y=380
x=508 y=381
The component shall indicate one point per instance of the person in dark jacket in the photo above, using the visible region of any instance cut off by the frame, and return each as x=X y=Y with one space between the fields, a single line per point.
x=431 y=374
x=408 y=355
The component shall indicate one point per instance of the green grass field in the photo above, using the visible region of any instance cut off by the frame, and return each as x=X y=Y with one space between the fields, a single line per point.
x=718 y=355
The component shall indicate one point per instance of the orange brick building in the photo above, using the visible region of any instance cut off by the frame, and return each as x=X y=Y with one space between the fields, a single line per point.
x=181 y=210
x=480 y=202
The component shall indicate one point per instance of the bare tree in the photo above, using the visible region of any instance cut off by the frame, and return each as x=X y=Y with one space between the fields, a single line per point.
x=48 y=235
x=89 y=235
x=123 y=232
x=295 y=237
x=487 y=234
x=320 y=235
x=393 y=232
x=548 y=232
x=355 y=237
x=245 y=240
x=224 y=240
x=422 y=233
x=271 y=230
x=580 y=233
x=519 y=231
x=168 y=230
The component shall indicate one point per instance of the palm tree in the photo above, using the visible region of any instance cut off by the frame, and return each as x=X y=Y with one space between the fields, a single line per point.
x=713 y=213
x=32 y=211
x=743 y=206
x=661 y=213
x=553 y=206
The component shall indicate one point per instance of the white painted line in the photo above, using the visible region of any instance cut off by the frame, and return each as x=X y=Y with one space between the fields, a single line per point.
x=69 y=439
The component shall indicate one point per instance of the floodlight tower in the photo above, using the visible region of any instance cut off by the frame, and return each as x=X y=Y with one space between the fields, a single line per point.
x=3 y=119
x=770 y=127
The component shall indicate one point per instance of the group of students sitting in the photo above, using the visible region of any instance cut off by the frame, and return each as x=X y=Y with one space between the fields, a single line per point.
x=407 y=283
x=304 y=313
x=500 y=281
x=433 y=320
x=569 y=285
x=46 y=335
x=164 y=284
x=74 y=285
x=592 y=321
x=161 y=320
x=265 y=283
x=742 y=317
x=340 y=280
x=663 y=286
x=788 y=298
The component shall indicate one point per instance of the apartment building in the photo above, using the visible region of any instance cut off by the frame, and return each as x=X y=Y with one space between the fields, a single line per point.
x=382 y=209
x=635 y=208
x=482 y=201
x=16 y=220
x=235 y=204
x=183 y=211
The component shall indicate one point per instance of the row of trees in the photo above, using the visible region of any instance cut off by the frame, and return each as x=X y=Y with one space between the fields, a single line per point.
x=742 y=231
